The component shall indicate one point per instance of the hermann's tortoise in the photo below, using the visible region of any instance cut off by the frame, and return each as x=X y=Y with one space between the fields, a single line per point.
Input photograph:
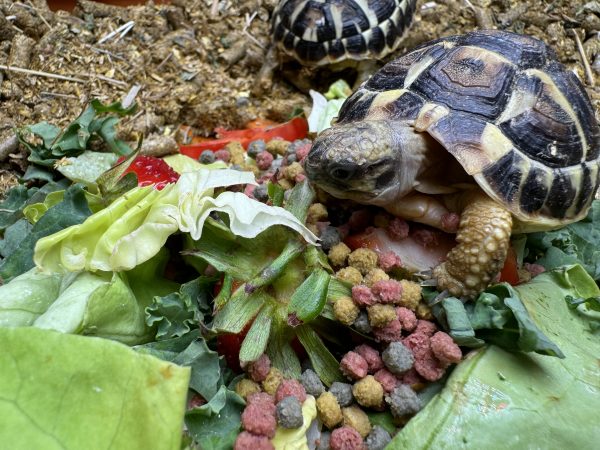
x=489 y=106
x=336 y=32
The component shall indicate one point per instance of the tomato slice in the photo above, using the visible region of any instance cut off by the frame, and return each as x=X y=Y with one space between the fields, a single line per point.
x=510 y=271
x=297 y=128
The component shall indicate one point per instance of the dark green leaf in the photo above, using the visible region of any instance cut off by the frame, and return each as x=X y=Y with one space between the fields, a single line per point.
x=72 y=210
x=308 y=300
x=34 y=172
x=451 y=311
x=10 y=208
x=324 y=363
x=174 y=314
x=13 y=236
x=204 y=362
x=578 y=242
x=255 y=342
x=215 y=425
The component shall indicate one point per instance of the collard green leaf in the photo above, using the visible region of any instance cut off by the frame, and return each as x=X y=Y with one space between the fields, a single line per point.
x=204 y=362
x=13 y=236
x=58 y=390
x=71 y=211
x=522 y=400
x=216 y=425
x=577 y=243
x=10 y=208
x=453 y=314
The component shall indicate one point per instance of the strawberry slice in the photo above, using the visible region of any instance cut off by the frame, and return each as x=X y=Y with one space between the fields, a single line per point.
x=152 y=171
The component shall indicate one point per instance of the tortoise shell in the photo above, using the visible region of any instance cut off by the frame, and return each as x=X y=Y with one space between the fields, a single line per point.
x=516 y=120
x=319 y=32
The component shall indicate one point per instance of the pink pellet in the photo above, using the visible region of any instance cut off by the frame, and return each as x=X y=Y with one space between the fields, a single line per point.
x=363 y=296
x=390 y=333
x=259 y=420
x=389 y=260
x=354 y=366
x=411 y=377
x=259 y=369
x=290 y=388
x=249 y=441
x=407 y=318
x=398 y=228
x=223 y=155
x=264 y=160
x=263 y=400
x=417 y=343
x=372 y=357
x=387 y=291
x=445 y=349
x=425 y=327
x=302 y=151
x=387 y=379
x=346 y=438
x=429 y=367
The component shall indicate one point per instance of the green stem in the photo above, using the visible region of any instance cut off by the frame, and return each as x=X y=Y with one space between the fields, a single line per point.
x=276 y=268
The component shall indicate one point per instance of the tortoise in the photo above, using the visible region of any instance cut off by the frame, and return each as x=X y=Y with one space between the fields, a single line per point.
x=487 y=125
x=339 y=33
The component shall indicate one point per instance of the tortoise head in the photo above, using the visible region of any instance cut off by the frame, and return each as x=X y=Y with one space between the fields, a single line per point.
x=362 y=161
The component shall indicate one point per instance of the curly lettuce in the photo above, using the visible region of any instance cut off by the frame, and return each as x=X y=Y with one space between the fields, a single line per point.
x=136 y=226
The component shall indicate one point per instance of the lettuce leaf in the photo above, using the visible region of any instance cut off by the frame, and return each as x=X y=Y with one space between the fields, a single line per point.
x=522 y=400
x=577 y=243
x=27 y=297
x=109 y=305
x=59 y=391
x=136 y=226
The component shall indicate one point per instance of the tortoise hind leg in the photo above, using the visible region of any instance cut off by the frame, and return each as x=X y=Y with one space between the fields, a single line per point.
x=483 y=239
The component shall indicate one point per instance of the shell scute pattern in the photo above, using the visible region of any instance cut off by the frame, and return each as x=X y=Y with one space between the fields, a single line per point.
x=515 y=118
x=329 y=31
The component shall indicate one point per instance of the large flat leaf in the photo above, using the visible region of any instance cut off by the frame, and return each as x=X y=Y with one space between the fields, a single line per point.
x=518 y=400
x=65 y=392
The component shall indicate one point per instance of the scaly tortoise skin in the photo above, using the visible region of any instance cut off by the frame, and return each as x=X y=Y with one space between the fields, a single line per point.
x=329 y=31
x=518 y=123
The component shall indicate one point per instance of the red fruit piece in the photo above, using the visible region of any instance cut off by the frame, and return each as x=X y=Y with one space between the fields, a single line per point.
x=152 y=171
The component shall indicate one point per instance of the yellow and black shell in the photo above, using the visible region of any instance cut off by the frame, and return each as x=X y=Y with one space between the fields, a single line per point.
x=319 y=32
x=515 y=118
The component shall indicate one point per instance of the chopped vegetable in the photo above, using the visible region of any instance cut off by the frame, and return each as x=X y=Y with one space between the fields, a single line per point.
x=296 y=128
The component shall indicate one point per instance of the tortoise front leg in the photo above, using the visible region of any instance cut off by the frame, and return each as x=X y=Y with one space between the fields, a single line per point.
x=483 y=238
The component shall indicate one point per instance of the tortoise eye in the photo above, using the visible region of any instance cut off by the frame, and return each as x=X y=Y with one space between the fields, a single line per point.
x=342 y=172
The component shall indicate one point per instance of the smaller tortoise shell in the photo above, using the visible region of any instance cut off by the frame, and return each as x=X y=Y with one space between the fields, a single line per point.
x=511 y=114
x=319 y=32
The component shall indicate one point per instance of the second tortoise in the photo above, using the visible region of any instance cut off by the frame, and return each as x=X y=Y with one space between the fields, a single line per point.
x=487 y=125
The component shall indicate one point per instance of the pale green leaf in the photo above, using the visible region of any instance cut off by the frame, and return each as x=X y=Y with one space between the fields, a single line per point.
x=64 y=392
